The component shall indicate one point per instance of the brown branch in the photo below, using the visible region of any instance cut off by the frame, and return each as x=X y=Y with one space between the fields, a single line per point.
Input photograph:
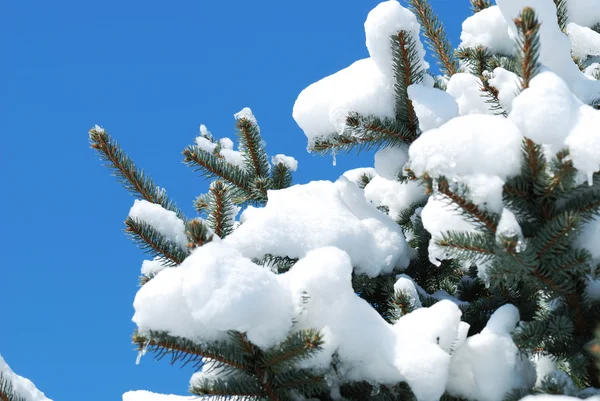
x=243 y=125
x=193 y=156
x=133 y=229
x=465 y=247
x=434 y=31
x=528 y=27
x=412 y=117
x=187 y=350
x=467 y=206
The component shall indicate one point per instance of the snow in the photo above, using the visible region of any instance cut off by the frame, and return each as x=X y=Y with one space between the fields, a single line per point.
x=150 y=267
x=288 y=161
x=321 y=213
x=584 y=141
x=387 y=19
x=488 y=365
x=389 y=161
x=584 y=12
x=321 y=108
x=508 y=85
x=555 y=47
x=205 y=144
x=148 y=396
x=438 y=217
x=432 y=106
x=366 y=86
x=162 y=220
x=246 y=113
x=233 y=157
x=588 y=238
x=397 y=196
x=465 y=88
x=488 y=29
x=592 y=290
x=215 y=290
x=508 y=226
x=21 y=386
x=406 y=285
x=553 y=397
x=355 y=175
x=544 y=365
x=584 y=41
x=466 y=145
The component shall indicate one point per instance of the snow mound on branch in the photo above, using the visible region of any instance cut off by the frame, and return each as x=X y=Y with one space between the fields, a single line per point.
x=508 y=85
x=487 y=28
x=588 y=238
x=321 y=109
x=215 y=290
x=466 y=145
x=21 y=386
x=396 y=196
x=584 y=12
x=489 y=365
x=162 y=220
x=553 y=397
x=355 y=175
x=287 y=161
x=555 y=47
x=321 y=213
x=584 y=41
x=148 y=396
x=432 y=106
x=389 y=161
x=387 y=19
x=369 y=348
x=560 y=121
x=465 y=88
x=365 y=87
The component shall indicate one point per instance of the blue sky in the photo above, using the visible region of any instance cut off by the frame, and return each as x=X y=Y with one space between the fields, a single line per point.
x=150 y=72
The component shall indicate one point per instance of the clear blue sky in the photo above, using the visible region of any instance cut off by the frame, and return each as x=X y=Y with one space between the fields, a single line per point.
x=150 y=72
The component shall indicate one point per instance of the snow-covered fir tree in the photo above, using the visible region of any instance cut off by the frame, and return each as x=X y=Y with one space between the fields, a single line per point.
x=17 y=388
x=462 y=266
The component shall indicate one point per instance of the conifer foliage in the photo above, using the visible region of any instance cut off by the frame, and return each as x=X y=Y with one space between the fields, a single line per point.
x=463 y=266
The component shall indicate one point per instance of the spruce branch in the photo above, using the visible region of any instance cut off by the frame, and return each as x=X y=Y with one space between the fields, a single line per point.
x=407 y=71
x=562 y=14
x=187 y=352
x=584 y=200
x=254 y=154
x=240 y=386
x=468 y=208
x=478 y=5
x=296 y=347
x=478 y=58
x=436 y=35
x=135 y=180
x=468 y=246
x=214 y=167
x=363 y=133
x=553 y=238
x=528 y=42
x=154 y=243
x=281 y=176
x=198 y=233
x=7 y=391
x=220 y=209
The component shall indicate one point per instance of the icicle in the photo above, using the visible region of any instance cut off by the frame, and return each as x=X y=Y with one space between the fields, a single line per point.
x=334 y=156
x=590 y=178
x=142 y=352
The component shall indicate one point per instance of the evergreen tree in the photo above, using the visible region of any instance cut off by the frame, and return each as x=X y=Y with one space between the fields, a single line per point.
x=498 y=215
